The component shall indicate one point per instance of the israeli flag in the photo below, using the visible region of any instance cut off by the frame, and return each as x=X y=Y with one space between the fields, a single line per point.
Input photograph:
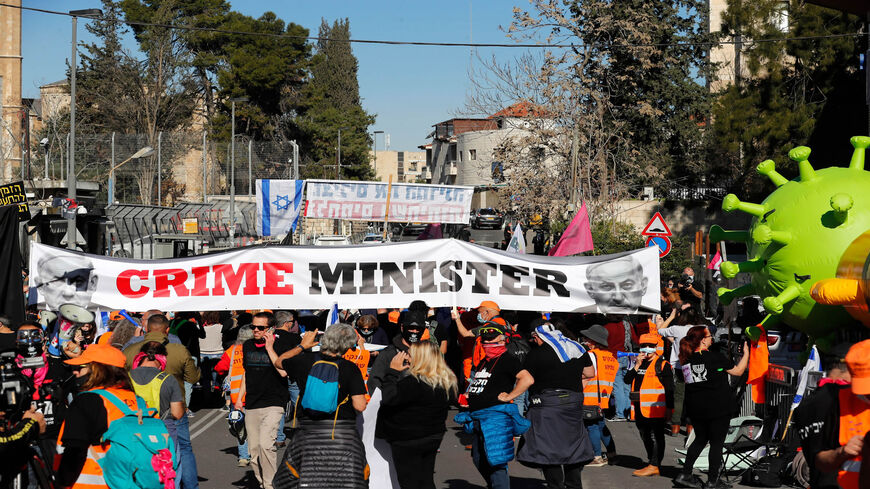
x=332 y=317
x=518 y=241
x=278 y=206
x=813 y=365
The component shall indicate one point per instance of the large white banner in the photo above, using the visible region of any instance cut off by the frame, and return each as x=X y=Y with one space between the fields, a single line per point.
x=367 y=201
x=442 y=272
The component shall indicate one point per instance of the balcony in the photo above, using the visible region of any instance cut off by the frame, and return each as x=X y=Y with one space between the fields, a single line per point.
x=452 y=169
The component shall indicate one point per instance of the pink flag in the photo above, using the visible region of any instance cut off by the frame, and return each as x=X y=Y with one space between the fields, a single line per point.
x=577 y=237
x=715 y=261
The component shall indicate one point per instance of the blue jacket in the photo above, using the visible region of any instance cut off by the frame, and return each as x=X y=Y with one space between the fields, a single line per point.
x=499 y=425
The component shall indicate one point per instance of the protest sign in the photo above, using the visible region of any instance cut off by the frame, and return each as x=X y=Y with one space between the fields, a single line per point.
x=442 y=272
x=13 y=194
x=367 y=201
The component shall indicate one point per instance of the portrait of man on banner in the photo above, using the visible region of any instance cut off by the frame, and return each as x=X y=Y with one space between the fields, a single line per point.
x=616 y=286
x=65 y=279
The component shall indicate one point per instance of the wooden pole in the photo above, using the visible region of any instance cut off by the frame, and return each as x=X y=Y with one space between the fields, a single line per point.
x=387 y=209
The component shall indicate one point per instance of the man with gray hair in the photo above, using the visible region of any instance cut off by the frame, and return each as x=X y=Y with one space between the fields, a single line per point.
x=616 y=285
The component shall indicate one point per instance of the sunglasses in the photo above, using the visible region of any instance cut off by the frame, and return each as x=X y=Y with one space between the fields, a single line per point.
x=76 y=368
x=259 y=328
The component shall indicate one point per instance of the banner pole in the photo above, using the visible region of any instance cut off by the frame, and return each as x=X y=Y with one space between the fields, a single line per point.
x=387 y=210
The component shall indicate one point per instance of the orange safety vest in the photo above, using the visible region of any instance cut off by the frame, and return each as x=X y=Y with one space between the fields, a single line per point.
x=854 y=420
x=652 y=392
x=759 y=362
x=598 y=390
x=91 y=476
x=360 y=357
x=236 y=372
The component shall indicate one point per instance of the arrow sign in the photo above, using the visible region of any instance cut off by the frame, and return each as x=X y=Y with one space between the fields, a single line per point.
x=656 y=227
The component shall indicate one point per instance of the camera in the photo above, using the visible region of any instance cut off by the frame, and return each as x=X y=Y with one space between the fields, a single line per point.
x=16 y=390
x=686 y=280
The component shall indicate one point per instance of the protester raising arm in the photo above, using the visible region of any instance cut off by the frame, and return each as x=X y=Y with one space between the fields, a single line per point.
x=270 y=350
x=309 y=339
x=463 y=331
x=738 y=369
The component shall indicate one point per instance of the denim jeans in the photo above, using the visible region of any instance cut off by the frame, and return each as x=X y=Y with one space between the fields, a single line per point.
x=621 y=390
x=189 y=477
x=495 y=477
x=598 y=434
x=522 y=402
x=243 y=451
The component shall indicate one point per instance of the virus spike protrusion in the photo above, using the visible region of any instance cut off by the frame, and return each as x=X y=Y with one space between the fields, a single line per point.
x=860 y=143
x=727 y=296
x=841 y=203
x=774 y=305
x=763 y=235
x=770 y=320
x=730 y=269
x=731 y=202
x=768 y=169
x=801 y=154
x=718 y=234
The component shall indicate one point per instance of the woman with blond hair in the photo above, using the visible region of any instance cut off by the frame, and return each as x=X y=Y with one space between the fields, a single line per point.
x=417 y=392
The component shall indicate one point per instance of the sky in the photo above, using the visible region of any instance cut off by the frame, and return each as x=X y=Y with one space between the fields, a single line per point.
x=409 y=88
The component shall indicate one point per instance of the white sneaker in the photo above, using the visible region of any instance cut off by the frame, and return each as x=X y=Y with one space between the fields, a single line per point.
x=597 y=462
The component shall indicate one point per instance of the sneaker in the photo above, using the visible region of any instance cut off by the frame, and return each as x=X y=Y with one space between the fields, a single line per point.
x=281 y=444
x=617 y=419
x=597 y=462
x=717 y=484
x=225 y=408
x=243 y=462
x=688 y=481
x=190 y=414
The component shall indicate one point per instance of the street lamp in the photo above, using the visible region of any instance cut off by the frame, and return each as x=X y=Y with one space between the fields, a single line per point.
x=233 y=168
x=376 y=150
x=142 y=153
x=89 y=13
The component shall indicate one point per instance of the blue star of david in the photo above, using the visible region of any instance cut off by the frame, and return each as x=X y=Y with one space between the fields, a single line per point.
x=282 y=202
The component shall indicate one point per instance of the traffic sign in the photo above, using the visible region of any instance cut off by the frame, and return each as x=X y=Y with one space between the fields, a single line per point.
x=661 y=242
x=656 y=227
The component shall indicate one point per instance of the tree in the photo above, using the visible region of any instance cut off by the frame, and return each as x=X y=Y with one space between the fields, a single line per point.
x=799 y=92
x=332 y=103
x=616 y=110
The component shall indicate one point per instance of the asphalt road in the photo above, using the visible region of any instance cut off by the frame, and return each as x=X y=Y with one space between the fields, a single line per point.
x=216 y=458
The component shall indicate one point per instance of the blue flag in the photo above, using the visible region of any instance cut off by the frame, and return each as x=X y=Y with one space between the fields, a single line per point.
x=278 y=206
x=332 y=317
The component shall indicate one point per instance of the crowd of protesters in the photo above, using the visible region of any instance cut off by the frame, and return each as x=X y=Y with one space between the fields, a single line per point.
x=552 y=382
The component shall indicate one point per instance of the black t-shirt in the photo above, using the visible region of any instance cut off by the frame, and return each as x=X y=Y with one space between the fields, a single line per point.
x=350 y=381
x=708 y=394
x=817 y=420
x=389 y=327
x=51 y=398
x=85 y=421
x=7 y=341
x=285 y=340
x=689 y=297
x=550 y=373
x=490 y=378
x=264 y=386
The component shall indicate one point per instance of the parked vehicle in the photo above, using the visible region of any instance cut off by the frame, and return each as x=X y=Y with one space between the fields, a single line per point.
x=332 y=240
x=487 y=217
x=373 y=239
x=407 y=228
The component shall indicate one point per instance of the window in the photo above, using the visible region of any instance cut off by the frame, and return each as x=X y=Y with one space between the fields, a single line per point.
x=460 y=156
x=472 y=154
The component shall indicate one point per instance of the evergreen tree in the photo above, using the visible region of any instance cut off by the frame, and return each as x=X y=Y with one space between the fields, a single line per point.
x=797 y=92
x=332 y=102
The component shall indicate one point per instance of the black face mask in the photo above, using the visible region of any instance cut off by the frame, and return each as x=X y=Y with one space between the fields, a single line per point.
x=366 y=333
x=412 y=336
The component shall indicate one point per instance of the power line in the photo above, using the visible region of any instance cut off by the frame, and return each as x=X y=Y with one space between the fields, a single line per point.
x=446 y=44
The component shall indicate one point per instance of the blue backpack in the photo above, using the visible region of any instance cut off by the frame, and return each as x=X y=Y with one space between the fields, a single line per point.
x=141 y=454
x=320 y=398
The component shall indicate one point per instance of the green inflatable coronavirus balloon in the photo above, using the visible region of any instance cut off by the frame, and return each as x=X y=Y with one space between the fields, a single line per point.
x=797 y=237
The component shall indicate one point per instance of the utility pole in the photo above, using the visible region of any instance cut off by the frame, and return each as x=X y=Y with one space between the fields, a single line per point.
x=204 y=170
x=71 y=174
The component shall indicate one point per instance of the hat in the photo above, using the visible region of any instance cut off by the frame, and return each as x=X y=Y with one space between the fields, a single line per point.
x=858 y=361
x=415 y=319
x=596 y=333
x=105 y=354
x=489 y=305
x=492 y=328
x=649 y=339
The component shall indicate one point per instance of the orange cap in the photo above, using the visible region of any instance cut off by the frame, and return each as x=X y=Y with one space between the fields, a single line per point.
x=649 y=339
x=858 y=361
x=489 y=305
x=115 y=315
x=105 y=354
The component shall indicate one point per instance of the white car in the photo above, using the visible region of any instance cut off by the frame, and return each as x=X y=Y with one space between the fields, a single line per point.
x=332 y=240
